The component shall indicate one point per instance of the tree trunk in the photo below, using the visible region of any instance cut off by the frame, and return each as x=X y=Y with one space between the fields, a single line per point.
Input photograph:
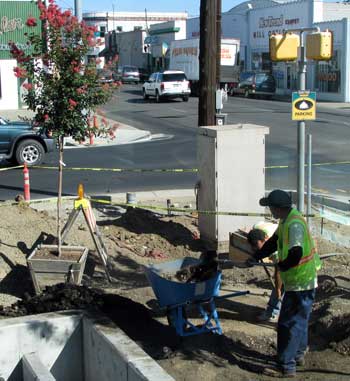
x=59 y=199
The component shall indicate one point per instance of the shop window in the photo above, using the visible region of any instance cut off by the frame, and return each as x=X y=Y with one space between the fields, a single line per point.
x=327 y=75
x=266 y=64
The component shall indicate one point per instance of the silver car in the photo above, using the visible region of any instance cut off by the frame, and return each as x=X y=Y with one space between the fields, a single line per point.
x=129 y=74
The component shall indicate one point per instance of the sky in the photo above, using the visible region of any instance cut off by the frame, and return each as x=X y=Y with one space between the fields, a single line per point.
x=190 y=6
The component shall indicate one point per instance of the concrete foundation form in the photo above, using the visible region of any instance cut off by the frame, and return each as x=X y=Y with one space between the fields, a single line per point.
x=72 y=345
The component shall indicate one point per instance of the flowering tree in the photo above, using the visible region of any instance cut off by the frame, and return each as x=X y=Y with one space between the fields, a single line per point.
x=62 y=87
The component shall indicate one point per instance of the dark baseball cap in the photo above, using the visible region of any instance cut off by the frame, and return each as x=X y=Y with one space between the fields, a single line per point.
x=277 y=198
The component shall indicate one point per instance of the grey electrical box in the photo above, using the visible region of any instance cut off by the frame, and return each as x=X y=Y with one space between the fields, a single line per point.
x=232 y=179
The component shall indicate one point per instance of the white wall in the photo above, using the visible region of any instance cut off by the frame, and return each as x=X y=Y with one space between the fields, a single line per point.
x=8 y=83
x=276 y=19
x=335 y=11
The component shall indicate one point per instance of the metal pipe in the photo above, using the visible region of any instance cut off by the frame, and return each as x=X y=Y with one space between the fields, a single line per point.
x=309 y=173
x=78 y=10
x=301 y=129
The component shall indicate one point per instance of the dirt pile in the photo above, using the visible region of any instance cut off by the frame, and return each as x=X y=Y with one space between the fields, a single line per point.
x=60 y=297
x=150 y=235
x=331 y=325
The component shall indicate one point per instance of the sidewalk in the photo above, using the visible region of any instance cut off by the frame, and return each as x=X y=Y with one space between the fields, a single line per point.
x=124 y=133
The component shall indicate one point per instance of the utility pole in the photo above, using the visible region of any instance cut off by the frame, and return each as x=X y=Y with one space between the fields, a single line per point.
x=207 y=65
x=218 y=43
x=78 y=10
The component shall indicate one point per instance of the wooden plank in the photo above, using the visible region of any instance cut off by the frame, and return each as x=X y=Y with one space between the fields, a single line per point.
x=53 y=265
x=239 y=250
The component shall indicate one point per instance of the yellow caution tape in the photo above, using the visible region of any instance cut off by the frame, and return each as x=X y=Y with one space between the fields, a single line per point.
x=158 y=170
x=154 y=207
x=313 y=165
x=8 y=169
x=172 y=170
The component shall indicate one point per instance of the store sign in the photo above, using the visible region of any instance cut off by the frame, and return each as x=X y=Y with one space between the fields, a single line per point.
x=13 y=28
x=329 y=77
x=149 y=40
x=10 y=25
x=279 y=24
x=304 y=105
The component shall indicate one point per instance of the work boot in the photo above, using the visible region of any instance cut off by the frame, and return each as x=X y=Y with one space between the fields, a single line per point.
x=300 y=361
x=279 y=372
x=268 y=317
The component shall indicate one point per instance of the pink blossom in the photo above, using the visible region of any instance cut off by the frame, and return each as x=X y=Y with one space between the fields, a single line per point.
x=72 y=103
x=19 y=72
x=28 y=86
x=31 y=21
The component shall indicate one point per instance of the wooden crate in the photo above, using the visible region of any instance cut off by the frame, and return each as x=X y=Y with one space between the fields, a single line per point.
x=239 y=248
x=47 y=271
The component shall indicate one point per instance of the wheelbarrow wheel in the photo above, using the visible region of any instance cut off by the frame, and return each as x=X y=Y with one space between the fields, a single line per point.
x=172 y=317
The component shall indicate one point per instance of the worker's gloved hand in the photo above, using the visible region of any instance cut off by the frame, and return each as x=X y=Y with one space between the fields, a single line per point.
x=250 y=262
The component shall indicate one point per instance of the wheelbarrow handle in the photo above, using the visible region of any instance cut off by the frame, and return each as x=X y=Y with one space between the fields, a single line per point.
x=237 y=293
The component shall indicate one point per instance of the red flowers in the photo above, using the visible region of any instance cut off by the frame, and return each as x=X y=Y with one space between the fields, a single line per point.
x=81 y=90
x=31 y=21
x=20 y=72
x=28 y=86
x=72 y=103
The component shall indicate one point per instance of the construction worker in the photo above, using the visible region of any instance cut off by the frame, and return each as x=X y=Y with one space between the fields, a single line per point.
x=260 y=233
x=298 y=263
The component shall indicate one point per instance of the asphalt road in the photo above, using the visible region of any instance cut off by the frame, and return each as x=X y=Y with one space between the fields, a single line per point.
x=178 y=120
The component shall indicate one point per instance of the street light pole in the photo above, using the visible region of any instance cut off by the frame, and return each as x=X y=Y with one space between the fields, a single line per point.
x=301 y=129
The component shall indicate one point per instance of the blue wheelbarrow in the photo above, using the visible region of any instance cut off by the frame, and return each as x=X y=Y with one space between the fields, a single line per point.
x=174 y=297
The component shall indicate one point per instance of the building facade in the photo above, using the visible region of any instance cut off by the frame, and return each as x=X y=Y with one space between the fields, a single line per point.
x=129 y=21
x=254 y=21
x=13 y=17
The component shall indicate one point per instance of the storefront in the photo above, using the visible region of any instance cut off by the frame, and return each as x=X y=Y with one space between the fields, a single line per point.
x=329 y=79
x=14 y=15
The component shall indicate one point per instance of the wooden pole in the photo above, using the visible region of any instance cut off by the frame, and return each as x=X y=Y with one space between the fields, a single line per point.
x=218 y=42
x=207 y=63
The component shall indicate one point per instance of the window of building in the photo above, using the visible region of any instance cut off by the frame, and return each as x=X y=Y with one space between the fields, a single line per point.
x=137 y=27
x=119 y=28
x=102 y=31
x=327 y=75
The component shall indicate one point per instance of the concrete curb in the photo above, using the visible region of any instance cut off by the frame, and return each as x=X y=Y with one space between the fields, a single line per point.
x=124 y=134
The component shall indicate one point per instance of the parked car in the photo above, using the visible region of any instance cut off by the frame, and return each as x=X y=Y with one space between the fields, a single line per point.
x=167 y=84
x=256 y=84
x=128 y=74
x=105 y=76
x=20 y=143
x=144 y=74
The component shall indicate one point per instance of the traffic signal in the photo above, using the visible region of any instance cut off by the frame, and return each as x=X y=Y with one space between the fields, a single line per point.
x=284 y=47
x=319 y=46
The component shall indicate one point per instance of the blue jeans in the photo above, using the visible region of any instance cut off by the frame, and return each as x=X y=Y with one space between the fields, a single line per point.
x=274 y=304
x=292 y=329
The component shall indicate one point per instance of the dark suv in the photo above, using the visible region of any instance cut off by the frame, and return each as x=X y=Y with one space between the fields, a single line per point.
x=20 y=143
x=256 y=84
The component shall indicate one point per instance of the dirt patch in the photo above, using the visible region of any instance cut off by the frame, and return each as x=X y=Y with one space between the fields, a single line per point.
x=139 y=238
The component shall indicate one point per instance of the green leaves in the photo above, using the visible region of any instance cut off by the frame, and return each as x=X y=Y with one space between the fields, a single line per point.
x=63 y=83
